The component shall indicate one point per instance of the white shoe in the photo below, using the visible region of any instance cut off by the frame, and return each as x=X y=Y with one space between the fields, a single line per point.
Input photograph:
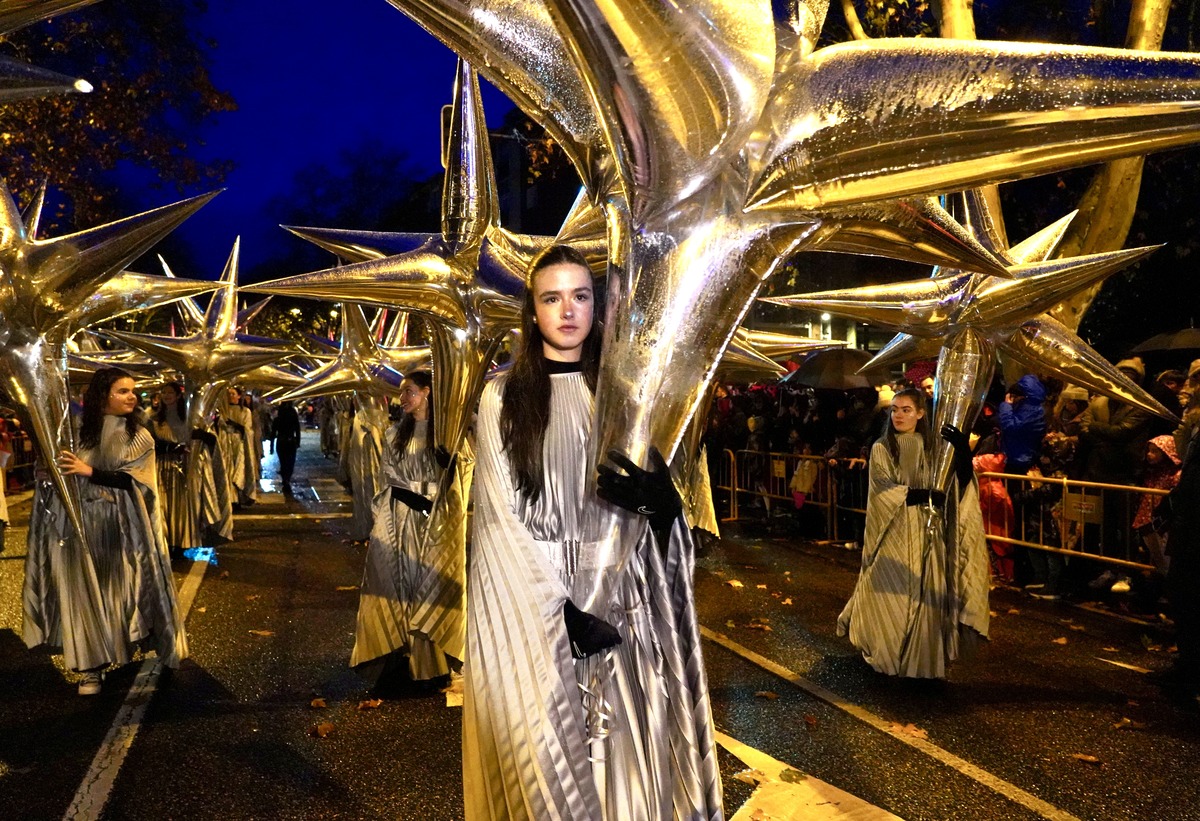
x=89 y=685
x=1121 y=585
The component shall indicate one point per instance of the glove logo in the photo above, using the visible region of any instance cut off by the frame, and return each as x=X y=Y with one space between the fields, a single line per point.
x=645 y=511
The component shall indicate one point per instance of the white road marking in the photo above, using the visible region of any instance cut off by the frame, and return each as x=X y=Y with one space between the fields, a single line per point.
x=787 y=794
x=1115 y=663
x=978 y=774
x=97 y=785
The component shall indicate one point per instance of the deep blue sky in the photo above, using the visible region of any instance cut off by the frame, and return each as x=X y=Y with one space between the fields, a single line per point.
x=310 y=80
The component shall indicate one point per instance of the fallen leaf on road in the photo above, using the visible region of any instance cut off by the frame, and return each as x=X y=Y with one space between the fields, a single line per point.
x=731 y=623
x=734 y=583
x=201 y=609
x=317 y=703
x=1085 y=758
x=761 y=586
x=791 y=776
x=224 y=574
x=810 y=722
x=1129 y=724
x=788 y=600
x=754 y=625
x=767 y=694
x=254 y=597
x=370 y=704
x=320 y=730
x=776 y=595
x=1012 y=611
x=1077 y=627
x=1060 y=640
x=787 y=572
x=909 y=730
x=993 y=613
x=1131 y=703
x=261 y=632
x=1109 y=649
x=346 y=587
x=754 y=777
x=297 y=541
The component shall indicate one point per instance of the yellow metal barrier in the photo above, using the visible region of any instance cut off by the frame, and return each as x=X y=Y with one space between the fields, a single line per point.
x=1091 y=520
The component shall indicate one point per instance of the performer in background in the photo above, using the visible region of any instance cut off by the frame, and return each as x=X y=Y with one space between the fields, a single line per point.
x=385 y=649
x=100 y=602
x=234 y=433
x=171 y=438
x=286 y=427
x=922 y=591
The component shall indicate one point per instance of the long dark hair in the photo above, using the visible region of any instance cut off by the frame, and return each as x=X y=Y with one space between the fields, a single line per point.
x=525 y=412
x=408 y=424
x=889 y=437
x=94 y=400
x=180 y=404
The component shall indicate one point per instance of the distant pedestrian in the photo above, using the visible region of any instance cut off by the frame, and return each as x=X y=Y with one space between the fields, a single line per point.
x=287 y=442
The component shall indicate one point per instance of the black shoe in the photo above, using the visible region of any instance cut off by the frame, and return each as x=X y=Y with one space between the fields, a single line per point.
x=588 y=635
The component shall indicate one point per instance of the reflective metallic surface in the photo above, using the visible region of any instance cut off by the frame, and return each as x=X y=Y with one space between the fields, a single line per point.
x=46 y=285
x=361 y=364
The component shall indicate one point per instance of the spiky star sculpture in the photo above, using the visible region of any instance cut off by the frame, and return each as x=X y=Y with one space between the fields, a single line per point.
x=47 y=286
x=361 y=364
x=719 y=145
x=966 y=319
x=19 y=81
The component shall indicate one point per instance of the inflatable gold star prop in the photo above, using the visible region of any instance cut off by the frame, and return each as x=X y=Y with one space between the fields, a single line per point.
x=19 y=81
x=48 y=285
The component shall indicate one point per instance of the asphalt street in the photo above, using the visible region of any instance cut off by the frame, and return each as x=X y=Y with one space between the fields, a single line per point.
x=1052 y=718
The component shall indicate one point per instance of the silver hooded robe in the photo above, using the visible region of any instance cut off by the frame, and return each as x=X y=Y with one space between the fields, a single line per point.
x=924 y=580
x=363 y=452
x=99 y=603
x=534 y=720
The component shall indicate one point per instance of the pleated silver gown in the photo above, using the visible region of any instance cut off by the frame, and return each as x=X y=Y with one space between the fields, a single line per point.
x=395 y=562
x=234 y=432
x=529 y=731
x=923 y=584
x=181 y=527
x=99 y=603
x=210 y=501
x=364 y=451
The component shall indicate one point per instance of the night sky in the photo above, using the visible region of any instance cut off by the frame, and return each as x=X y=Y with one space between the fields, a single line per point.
x=311 y=80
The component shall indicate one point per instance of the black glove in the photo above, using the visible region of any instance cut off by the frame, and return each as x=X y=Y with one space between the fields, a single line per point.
x=588 y=635
x=650 y=493
x=446 y=460
x=919 y=496
x=964 y=469
x=414 y=500
x=111 y=478
x=209 y=439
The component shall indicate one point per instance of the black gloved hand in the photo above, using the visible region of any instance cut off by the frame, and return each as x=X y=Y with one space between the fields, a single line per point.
x=650 y=493
x=413 y=499
x=919 y=496
x=964 y=469
x=588 y=635
x=442 y=456
x=209 y=439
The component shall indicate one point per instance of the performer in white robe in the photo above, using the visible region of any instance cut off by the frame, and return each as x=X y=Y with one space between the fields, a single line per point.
x=533 y=716
x=101 y=602
x=923 y=587
x=364 y=451
x=234 y=432
x=395 y=557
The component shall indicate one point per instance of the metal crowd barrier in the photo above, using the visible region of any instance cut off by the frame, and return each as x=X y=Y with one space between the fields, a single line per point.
x=1076 y=518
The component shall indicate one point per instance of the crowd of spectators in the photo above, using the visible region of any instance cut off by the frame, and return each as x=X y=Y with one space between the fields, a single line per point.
x=1033 y=427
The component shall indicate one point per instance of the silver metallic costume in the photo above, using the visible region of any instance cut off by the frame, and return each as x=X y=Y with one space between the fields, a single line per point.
x=364 y=450
x=97 y=603
x=181 y=525
x=923 y=586
x=395 y=562
x=624 y=735
x=234 y=433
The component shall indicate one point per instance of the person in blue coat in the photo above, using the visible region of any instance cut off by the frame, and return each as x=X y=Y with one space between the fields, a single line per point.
x=1022 y=419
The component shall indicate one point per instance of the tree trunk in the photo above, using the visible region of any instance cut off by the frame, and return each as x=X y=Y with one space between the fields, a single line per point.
x=1106 y=210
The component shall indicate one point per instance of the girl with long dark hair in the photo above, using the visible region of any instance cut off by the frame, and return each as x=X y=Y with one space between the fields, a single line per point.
x=101 y=603
x=552 y=693
x=385 y=648
x=923 y=586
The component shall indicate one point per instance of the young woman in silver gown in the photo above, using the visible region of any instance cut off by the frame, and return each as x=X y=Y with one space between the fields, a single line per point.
x=535 y=712
x=922 y=591
x=395 y=562
x=101 y=602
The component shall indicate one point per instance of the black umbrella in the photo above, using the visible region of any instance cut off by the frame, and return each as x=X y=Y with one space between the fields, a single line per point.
x=1187 y=339
x=838 y=370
